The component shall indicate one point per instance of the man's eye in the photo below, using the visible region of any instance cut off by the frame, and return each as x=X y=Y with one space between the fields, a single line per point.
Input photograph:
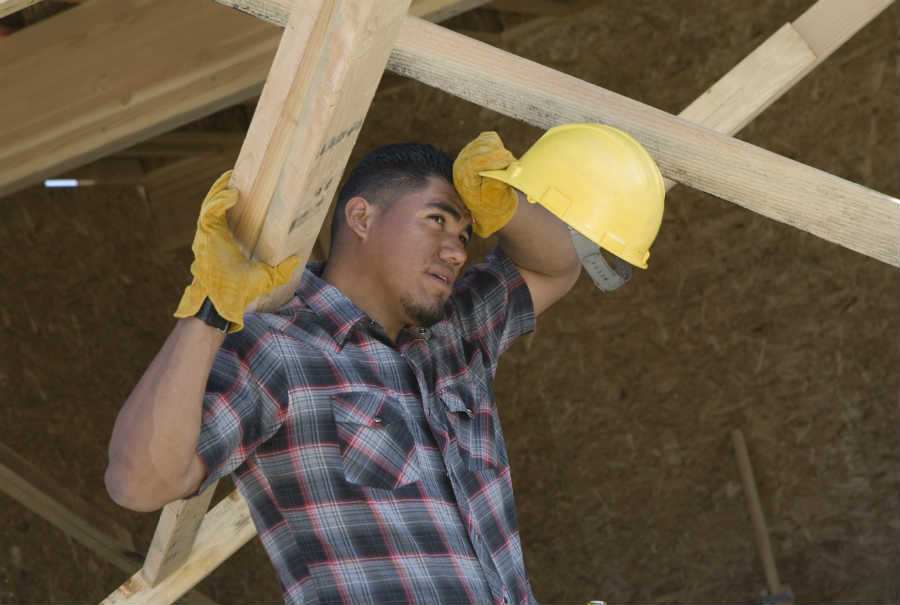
x=464 y=239
x=438 y=218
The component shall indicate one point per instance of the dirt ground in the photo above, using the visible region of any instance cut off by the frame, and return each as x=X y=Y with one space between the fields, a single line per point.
x=618 y=411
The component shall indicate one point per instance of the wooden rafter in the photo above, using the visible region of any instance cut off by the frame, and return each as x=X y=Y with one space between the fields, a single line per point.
x=765 y=75
x=203 y=59
x=782 y=189
x=20 y=480
x=8 y=7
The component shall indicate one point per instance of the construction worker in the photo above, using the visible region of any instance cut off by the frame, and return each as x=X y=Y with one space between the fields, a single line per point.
x=358 y=420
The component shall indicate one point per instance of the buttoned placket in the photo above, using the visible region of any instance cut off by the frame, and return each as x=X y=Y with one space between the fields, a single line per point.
x=416 y=354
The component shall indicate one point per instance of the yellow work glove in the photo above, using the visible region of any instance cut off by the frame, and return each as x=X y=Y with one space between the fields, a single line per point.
x=221 y=271
x=491 y=202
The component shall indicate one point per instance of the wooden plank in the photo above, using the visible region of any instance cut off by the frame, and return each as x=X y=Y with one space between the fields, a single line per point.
x=305 y=126
x=174 y=537
x=754 y=83
x=779 y=188
x=8 y=7
x=29 y=486
x=173 y=63
x=225 y=528
x=827 y=24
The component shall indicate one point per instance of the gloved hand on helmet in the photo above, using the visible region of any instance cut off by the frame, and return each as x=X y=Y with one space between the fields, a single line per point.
x=221 y=271
x=491 y=202
x=597 y=179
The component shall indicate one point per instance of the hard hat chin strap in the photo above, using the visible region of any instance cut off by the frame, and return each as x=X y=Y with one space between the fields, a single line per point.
x=605 y=277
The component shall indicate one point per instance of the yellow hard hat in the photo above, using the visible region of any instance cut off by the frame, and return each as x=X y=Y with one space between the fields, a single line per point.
x=598 y=180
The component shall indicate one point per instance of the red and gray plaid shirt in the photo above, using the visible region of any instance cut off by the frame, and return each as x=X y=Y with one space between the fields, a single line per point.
x=375 y=473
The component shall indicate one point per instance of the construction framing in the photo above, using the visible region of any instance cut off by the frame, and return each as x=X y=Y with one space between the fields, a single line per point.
x=323 y=78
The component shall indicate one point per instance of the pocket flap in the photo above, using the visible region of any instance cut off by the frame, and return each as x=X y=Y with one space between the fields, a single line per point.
x=360 y=407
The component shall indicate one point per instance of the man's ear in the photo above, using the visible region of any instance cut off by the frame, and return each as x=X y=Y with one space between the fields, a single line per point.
x=358 y=213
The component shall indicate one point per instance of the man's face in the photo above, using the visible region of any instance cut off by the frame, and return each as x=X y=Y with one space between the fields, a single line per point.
x=418 y=247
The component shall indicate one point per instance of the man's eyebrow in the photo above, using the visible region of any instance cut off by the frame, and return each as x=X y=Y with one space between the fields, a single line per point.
x=452 y=211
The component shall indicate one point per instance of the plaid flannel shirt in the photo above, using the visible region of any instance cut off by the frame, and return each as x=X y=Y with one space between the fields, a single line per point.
x=375 y=473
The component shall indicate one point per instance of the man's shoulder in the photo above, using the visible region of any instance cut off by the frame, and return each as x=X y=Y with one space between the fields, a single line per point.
x=293 y=326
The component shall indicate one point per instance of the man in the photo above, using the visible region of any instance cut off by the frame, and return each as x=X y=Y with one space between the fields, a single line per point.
x=358 y=419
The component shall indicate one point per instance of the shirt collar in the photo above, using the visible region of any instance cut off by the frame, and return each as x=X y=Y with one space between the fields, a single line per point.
x=335 y=312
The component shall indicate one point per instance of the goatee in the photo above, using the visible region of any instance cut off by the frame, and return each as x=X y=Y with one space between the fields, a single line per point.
x=424 y=316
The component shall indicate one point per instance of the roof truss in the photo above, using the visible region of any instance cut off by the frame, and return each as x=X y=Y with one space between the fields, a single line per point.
x=832 y=208
x=541 y=96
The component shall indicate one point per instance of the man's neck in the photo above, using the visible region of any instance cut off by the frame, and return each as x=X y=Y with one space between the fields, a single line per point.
x=356 y=284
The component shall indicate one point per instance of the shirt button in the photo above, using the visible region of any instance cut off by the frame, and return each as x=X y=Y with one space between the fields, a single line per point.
x=377 y=419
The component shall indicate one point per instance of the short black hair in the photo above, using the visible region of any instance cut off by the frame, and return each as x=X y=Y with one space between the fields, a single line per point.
x=389 y=172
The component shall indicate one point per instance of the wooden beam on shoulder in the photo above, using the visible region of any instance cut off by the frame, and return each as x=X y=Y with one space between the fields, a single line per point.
x=318 y=91
x=310 y=113
x=832 y=208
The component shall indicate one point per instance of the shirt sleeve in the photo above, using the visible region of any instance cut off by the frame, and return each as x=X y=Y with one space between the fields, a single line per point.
x=245 y=399
x=492 y=304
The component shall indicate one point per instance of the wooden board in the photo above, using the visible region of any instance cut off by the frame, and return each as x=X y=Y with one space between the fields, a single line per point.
x=779 y=188
x=174 y=537
x=107 y=74
x=26 y=484
x=225 y=528
x=8 y=7
x=29 y=486
x=304 y=128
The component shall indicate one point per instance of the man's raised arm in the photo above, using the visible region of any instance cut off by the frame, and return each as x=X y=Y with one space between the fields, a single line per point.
x=152 y=452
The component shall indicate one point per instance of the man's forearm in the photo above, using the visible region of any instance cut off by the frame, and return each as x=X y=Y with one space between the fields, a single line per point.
x=155 y=435
x=536 y=240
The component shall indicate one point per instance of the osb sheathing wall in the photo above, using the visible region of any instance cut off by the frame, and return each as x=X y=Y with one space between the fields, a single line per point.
x=617 y=413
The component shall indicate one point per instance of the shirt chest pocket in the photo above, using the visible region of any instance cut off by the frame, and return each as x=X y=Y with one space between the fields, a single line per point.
x=377 y=448
x=473 y=420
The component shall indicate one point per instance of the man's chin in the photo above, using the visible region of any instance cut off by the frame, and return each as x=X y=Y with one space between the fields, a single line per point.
x=424 y=315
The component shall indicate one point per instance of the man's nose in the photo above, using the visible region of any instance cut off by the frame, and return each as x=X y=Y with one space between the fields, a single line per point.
x=453 y=251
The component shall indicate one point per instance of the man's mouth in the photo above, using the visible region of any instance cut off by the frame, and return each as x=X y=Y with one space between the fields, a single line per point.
x=443 y=279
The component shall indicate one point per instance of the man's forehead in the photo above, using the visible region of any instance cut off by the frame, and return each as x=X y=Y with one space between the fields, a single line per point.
x=441 y=191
